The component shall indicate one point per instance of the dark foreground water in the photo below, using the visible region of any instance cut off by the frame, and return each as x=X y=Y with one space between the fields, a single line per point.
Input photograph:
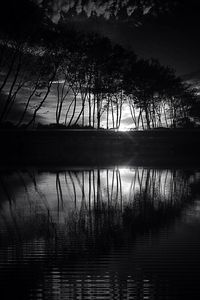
x=116 y=233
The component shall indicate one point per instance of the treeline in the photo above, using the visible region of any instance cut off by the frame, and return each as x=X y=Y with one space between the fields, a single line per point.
x=93 y=80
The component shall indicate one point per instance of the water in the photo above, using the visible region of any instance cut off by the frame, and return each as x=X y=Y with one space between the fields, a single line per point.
x=116 y=233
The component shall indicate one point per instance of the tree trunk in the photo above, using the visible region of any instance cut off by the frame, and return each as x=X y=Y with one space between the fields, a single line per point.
x=98 y=112
x=147 y=117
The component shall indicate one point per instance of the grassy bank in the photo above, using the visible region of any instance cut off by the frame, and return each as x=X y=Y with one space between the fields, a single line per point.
x=74 y=147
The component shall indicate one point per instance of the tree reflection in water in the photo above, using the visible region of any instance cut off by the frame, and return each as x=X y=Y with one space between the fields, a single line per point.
x=94 y=205
x=83 y=234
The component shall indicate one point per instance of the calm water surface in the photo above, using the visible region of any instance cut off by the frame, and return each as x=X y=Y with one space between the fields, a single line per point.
x=116 y=233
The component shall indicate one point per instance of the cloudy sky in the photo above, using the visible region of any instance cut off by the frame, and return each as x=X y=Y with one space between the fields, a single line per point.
x=171 y=35
x=168 y=33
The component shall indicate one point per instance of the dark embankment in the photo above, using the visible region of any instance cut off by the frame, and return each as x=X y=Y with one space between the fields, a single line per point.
x=91 y=147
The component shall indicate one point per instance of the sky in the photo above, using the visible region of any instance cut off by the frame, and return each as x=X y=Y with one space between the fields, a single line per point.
x=170 y=36
x=173 y=39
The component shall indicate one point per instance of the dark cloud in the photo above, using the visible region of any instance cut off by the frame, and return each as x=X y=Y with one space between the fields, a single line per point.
x=111 y=9
x=171 y=37
x=164 y=29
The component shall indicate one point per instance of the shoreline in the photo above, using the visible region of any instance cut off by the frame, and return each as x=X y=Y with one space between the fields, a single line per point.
x=93 y=147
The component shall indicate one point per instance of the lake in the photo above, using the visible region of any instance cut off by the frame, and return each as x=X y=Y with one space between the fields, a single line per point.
x=100 y=233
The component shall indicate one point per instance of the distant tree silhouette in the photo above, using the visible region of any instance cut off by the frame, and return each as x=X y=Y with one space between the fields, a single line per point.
x=94 y=79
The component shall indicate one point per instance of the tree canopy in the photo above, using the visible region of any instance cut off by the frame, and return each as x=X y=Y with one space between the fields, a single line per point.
x=94 y=78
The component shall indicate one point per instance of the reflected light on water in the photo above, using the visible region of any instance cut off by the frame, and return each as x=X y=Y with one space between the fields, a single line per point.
x=63 y=192
x=116 y=233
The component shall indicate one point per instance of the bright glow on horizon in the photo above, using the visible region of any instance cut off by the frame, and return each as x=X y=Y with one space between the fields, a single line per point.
x=124 y=128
